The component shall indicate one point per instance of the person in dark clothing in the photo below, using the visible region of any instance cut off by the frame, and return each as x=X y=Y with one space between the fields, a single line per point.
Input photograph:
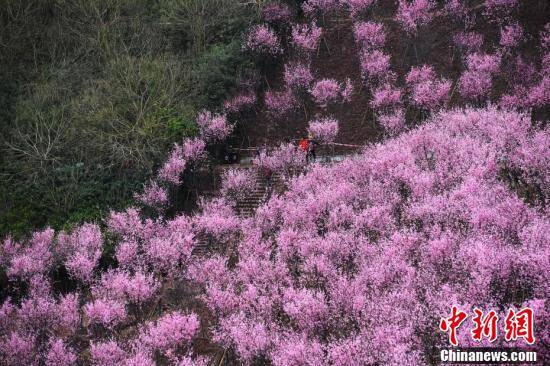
x=312 y=149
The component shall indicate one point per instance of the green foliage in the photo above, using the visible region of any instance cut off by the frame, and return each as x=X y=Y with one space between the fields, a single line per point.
x=94 y=92
x=194 y=25
x=216 y=72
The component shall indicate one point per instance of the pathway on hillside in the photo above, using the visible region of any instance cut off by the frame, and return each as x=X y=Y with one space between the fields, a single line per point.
x=260 y=194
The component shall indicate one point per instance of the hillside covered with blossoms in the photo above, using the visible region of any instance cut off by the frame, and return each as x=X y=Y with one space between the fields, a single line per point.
x=442 y=202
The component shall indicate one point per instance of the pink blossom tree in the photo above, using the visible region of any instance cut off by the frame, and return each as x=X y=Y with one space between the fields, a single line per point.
x=279 y=103
x=476 y=82
x=240 y=102
x=511 y=35
x=358 y=7
x=276 y=12
x=306 y=37
x=262 y=40
x=315 y=281
x=325 y=91
x=324 y=130
x=427 y=92
x=153 y=195
x=393 y=122
x=173 y=167
x=297 y=76
x=375 y=66
x=414 y=14
x=386 y=97
x=369 y=35
x=283 y=159
x=237 y=183
x=213 y=126
x=468 y=42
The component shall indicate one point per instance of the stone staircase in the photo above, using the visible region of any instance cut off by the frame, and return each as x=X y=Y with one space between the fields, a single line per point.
x=260 y=194
x=245 y=207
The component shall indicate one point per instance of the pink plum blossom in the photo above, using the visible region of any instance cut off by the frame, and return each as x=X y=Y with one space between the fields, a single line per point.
x=281 y=102
x=237 y=183
x=358 y=7
x=386 y=96
x=153 y=195
x=393 y=122
x=306 y=37
x=193 y=150
x=369 y=35
x=297 y=76
x=240 y=102
x=413 y=14
x=60 y=355
x=375 y=65
x=511 y=35
x=276 y=12
x=263 y=40
x=324 y=129
x=174 y=166
x=213 y=126
x=85 y=244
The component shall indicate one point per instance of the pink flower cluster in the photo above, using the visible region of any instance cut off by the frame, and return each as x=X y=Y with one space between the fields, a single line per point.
x=193 y=150
x=386 y=97
x=284 y=159
x=413 y=14
x=217 y=220
x=358 y=7
x=340 y=250
x=328 y=91
x=173 y=167
x=276 y=12
x=297 y=75
x=240 y=102
x=375 y=66
x=369 y=35
x=427 y=91
x=213 y=126
x=468 y=41
x=168 y=333
x=280 y=103
x=33 y=260
x=262 y=40
x=153 y=195
x=106 y=312
x=60 y=354
x=83 y=247
x=475 y=83
x=324 y=130
x=511 y=35
x=124 y=286
x=393 y=122
x=306 y=37
x=237 y=183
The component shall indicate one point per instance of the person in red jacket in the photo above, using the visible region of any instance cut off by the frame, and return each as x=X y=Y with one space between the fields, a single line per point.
x=304 y=145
